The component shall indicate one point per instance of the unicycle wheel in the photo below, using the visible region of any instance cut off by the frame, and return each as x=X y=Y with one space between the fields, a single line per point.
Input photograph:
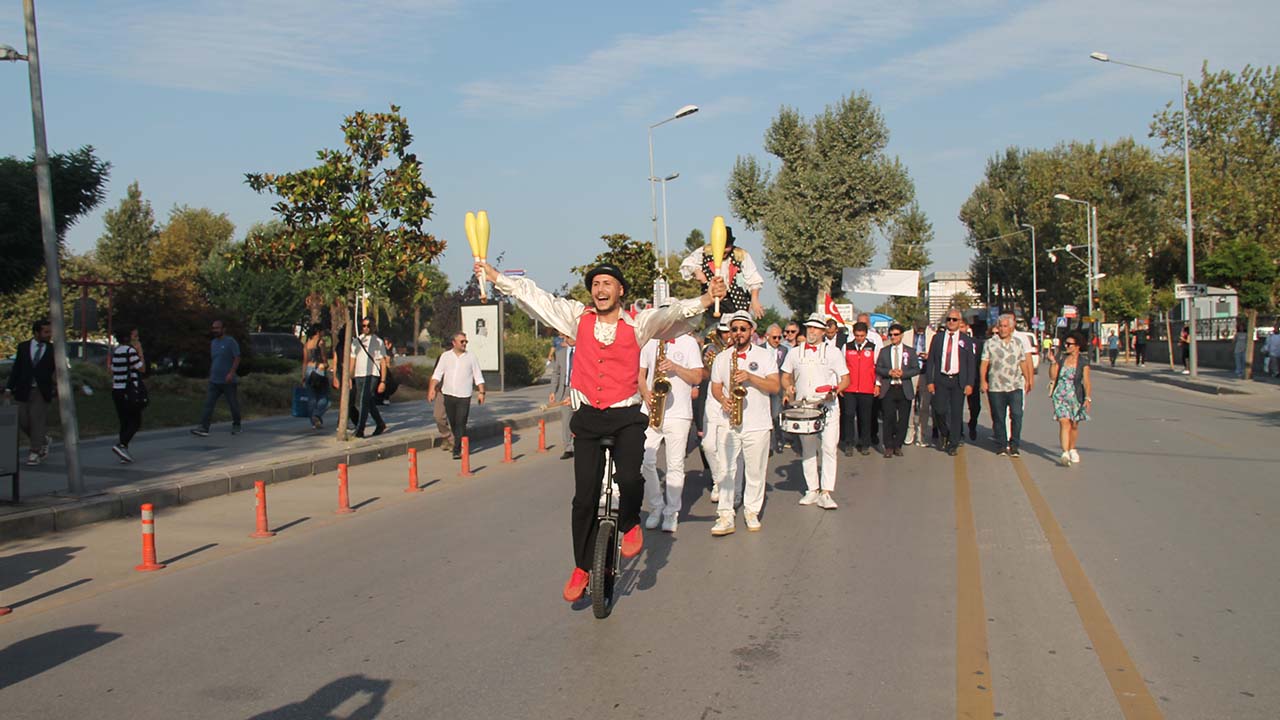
x=603 y=571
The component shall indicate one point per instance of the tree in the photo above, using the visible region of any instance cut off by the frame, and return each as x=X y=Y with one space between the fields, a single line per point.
x=125 y=248
x=963 y=300
x=1234 y=130
x=1125 y=297
x=187 y=241
x=79 y=181
x=695 y=240
x=20 y=308
x=909 y=237
x=834 y=187
x=261 y=298
x=355 y=220
x=418 y=290
x=1245 y=265
x=633 y=257
x=1166 y=300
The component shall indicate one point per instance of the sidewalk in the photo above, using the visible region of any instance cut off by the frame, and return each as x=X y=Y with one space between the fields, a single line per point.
x=173 y=466
x=1208 y=380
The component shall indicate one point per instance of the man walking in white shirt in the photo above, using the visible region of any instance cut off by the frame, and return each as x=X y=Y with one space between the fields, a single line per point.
x=682 y=366
x=369 y=360
x=814 y=373
x=456 y=375
x=756 y=371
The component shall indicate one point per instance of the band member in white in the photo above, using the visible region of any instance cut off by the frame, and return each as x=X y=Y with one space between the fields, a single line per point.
x=756 y=372
x=682 y=367
x=715 y=425
x=814 y=374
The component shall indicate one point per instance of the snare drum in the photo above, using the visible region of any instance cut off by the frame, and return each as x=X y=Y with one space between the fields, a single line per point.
x=803 y=420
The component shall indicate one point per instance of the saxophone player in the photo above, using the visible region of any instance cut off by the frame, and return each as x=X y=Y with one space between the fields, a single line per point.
x=742 y=379
x=669 y=370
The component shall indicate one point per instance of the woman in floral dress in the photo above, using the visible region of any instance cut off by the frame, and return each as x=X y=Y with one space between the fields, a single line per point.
x=1070 y=392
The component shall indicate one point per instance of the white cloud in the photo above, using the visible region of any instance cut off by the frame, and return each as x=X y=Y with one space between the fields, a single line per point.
x=292 y=47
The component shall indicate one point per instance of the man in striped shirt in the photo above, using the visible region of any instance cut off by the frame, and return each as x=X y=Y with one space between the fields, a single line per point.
x=126 y=369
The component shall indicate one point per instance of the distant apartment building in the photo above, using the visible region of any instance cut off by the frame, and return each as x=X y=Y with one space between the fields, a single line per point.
x=940 y=287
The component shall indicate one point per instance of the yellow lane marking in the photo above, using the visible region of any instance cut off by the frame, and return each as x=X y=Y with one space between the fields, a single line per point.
x=1209 y=440
x=1126 y=682
x=974 y=696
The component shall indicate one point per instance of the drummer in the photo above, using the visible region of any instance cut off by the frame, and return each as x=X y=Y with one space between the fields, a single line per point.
x=813 y=375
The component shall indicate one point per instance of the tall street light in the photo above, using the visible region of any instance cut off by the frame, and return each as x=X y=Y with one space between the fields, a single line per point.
x=1090 y=217
x=683 y=112
x=1186 y=181
x=664 y=180
x=44 y=188
x=1035 y=288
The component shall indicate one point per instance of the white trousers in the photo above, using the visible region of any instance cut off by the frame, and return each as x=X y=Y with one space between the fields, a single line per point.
x=752 y=449
x=824 y=444
x=714 y=437
x=675 y=433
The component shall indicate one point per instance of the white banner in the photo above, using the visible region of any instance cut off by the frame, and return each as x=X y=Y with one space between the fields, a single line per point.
x=484 y=333
x=882 y=282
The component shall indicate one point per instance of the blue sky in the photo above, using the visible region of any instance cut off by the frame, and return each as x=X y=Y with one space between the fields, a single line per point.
x=537 y=112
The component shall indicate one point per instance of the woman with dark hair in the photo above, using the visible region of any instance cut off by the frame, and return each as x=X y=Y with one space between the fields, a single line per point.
x=1070 y=390
x=315 y=369
x=127 y=390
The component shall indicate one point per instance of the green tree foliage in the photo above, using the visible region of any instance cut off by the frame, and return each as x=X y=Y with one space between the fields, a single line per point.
x=695 y=240
x=262 y=299
x=355 y=220
x=1138 y=230
x=1234 y=129
x=771 y=316
x=186 y=243
x=79 y=182
x=633 y=257
x=909 y=236
x=125 y=248
x=1243 y=264
x=20 y=308
x=834 y=187
x=963 y=300
x=1125 y=297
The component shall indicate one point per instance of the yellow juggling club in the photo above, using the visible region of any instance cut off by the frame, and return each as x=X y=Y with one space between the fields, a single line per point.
x=473 y=239
x=482 y=234
x=718 y=238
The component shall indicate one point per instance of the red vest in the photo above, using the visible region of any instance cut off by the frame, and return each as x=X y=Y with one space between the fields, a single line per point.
x=862 y=368
x=605 y=374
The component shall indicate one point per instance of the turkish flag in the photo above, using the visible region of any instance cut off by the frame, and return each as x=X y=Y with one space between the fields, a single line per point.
x=829 y=306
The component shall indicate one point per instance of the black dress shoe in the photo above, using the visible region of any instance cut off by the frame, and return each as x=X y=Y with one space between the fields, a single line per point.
x=566 y=454
x=864 y=451
x=973 y=434
x=897 y=452
x=953 y=450
x=382 y=427
x=888 y=454
x=848 y=451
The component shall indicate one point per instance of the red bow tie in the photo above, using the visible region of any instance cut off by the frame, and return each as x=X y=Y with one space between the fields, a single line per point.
x=672 y=341
x=810 y=347
x=742 y=356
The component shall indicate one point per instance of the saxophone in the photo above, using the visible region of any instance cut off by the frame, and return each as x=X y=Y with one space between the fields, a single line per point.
x=661 y=386
x=739 y=392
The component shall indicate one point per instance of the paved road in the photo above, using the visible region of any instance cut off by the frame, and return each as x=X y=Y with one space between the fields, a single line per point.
x=1134 y=585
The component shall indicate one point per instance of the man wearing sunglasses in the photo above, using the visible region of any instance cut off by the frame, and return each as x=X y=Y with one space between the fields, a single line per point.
x=951 y=373
x=457 y=374
x=369 y=360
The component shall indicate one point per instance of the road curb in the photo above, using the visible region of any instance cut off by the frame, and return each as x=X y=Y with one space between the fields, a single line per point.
x=1211 y=388
x=57 y=513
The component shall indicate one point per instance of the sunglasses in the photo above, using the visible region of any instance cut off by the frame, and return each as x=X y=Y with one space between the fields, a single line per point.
x=953 y=319
x=792 y=332
x=1069 y=343
x=775 y=337
x=895 y=334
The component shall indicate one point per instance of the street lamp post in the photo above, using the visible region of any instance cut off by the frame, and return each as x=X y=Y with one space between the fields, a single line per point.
x=664 y=180
x=1035 y=288
x=1186 y=181
x=44 y=188
x=685 y=111
x=1091 y=238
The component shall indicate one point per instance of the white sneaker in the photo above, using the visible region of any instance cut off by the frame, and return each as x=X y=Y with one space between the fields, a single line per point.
x=715 y=493
x=654 y=520
x=826 y=502
x=122 y=452
x=1186 y=372
x=723 y=526
x=33 y=458
x=809 y=498
x=44 y=449
x=1065 y=459
x=670 y=523
x=911 y=437
x=1075 y=456
x=753 y=521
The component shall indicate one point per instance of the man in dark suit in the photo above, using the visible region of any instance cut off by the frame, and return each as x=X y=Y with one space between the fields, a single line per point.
x=950 y=373
x=896 y=366
x=561 y=366
x=31 y=384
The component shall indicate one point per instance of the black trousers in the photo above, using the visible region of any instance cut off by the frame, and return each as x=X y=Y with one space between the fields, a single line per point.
x=1140 y=354
x=897 y=414
x=975 y=409
x=948 y=408
x=364 y=396
x=857 y=414
x=457 y=409
x=627 y=426
x=130 y=417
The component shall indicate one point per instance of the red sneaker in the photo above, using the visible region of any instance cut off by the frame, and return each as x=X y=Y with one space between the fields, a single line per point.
x=632 y=542
x=576 y=586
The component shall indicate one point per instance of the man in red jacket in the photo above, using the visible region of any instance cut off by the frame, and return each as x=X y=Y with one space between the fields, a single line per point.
x=856 y=405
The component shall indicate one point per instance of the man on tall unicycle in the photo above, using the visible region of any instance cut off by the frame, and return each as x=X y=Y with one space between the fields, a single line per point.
x=605 y=392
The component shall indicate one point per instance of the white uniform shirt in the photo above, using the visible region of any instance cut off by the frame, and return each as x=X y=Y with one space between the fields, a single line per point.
x=761 y=362
x=813 y=366
x=458 y=372
x=682 y=351
x=368 y=363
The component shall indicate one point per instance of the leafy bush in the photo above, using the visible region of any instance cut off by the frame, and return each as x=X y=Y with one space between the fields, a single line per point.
x=91 y=374
x=269 y=365
x=413 y=375
x=268 y=392
x=525 y=358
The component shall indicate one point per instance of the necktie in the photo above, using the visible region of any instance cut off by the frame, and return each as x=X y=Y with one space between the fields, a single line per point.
x=946 y=362
x=39 y=353
x=897 y=361
x=568 y=366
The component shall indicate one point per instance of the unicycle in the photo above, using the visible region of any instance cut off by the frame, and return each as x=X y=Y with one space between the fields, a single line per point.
x=606 y=556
